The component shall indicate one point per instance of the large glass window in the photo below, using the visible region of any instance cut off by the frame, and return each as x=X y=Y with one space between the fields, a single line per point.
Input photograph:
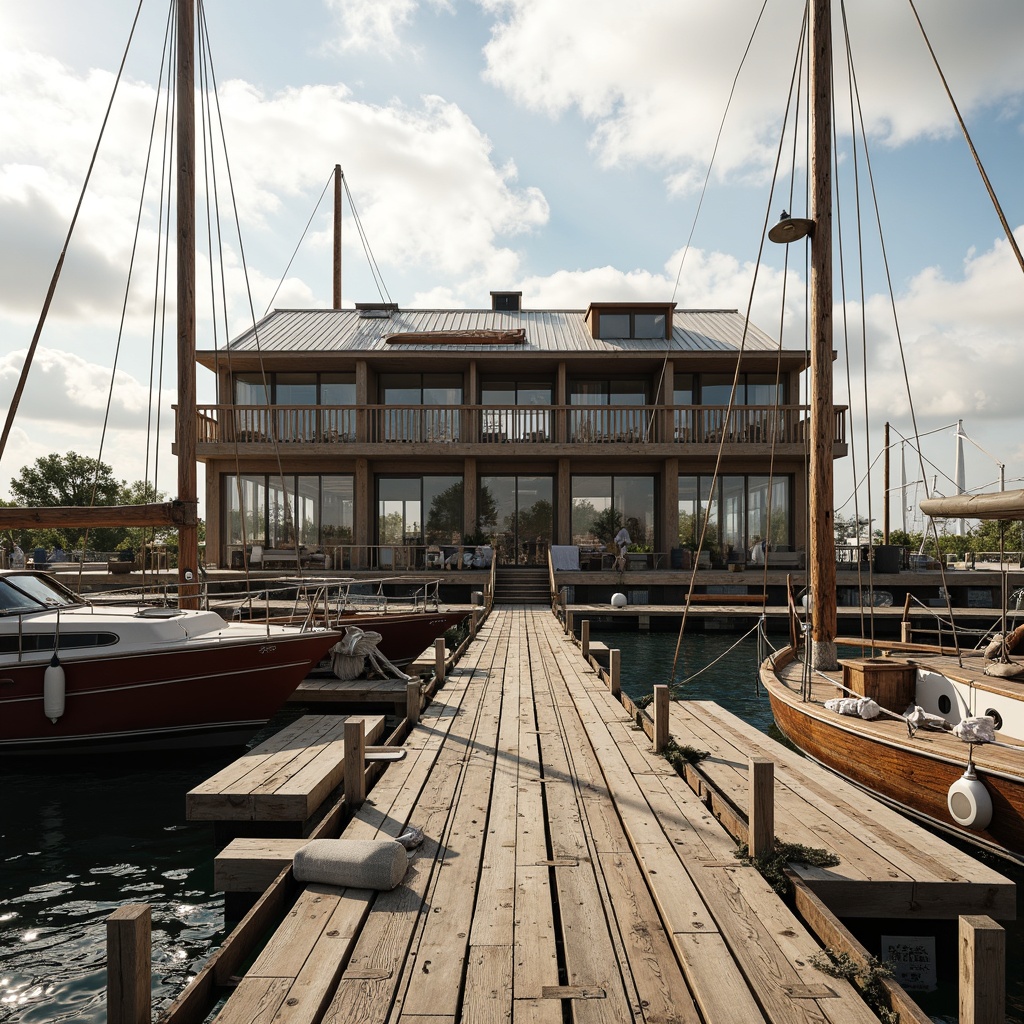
x=515 y=411
x=743 y=509
x=419 y=510
x=431 y=402
x=312 y=510
x=297 y=396
x=518 y=513
x=603 y=504
x=613 y=410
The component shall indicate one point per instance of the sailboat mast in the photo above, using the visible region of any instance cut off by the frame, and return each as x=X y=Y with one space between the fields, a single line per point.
x=188 y=535
x=822 y=416
x=338 y=176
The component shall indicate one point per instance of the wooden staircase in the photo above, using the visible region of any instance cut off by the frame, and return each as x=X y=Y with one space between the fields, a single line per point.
x=522 y=586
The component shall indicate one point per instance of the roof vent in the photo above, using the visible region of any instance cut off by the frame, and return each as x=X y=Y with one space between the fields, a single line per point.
x=506 y=302
x=376 y=310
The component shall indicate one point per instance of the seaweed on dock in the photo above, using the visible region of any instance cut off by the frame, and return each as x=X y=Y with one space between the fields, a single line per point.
x=772 y=866
x=866 y=976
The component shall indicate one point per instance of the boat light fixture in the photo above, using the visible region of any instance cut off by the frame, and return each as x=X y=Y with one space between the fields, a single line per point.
x=791 y=229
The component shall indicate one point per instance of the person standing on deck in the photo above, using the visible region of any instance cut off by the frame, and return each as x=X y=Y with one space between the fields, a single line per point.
x=622 y=541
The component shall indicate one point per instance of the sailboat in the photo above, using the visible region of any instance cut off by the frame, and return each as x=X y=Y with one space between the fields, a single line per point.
x=79 y=676
x=936 y=732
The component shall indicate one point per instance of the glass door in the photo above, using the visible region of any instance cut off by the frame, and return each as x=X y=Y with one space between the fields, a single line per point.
x=518 y=513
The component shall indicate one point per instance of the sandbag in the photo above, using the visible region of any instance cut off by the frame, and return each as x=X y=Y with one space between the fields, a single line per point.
x=359 y=863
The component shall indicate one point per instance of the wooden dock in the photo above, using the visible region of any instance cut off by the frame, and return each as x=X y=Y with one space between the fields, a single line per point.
x=568 y=873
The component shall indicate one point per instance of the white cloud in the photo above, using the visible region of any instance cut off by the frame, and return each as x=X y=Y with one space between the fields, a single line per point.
x=654 y=85
x=375 y=25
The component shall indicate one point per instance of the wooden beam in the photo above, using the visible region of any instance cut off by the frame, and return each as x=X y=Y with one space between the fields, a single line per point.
x=661 y=712
x=760 y=806
x=168 y=513
x=982 y=971
x=129 y=965
x=355 y=763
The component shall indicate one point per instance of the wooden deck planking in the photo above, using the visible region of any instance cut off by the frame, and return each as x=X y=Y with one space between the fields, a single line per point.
x=886 y=869
x=766 y=941
x=567 y=874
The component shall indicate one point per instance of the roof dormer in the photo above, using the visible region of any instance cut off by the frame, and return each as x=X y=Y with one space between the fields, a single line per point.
x=506 y=302
x=620 y=320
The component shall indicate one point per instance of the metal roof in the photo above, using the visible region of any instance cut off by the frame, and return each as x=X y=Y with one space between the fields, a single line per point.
x=546 y=331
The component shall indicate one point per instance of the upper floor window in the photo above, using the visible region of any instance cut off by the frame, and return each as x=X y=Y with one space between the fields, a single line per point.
x=255 y=388
x=630 y=320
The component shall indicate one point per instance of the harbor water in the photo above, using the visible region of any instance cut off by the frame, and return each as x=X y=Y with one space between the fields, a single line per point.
x=81 y=837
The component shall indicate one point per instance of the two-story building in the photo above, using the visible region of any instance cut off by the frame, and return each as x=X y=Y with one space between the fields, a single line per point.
x=386 y=437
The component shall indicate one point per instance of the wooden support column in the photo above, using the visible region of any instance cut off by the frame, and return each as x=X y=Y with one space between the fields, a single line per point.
x=760 y=806
x=982 y=971
x=363 y=502
x=615 y=672
x=412 y=701
x=563 y=529
x=469 y=488
x=585 y=638
x=661 y=705
x=439 y=655
x=355 y=763
x=667 y=530
x=129 y=965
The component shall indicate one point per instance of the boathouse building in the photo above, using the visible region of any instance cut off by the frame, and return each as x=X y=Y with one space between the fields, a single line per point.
x=380 y=437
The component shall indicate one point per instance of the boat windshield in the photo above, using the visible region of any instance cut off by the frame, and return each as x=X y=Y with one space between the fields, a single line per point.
x=28 y=593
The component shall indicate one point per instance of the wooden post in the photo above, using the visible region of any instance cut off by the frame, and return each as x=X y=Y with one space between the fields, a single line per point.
x=472 y=623
x=129 y=965
x=615 y=672
x=439 y=655
x=355 y=763
x=568 y=624
x=760 y=806
x=336 y=276
x=412 y=701
x=585 y=637
x=563 y=598
x=660 y=717
x=982 y=971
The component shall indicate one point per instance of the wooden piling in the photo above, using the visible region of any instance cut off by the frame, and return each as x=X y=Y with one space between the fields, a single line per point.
x=615 y=672
x=761 y=806
x=129 y=965
x=440 y=652
x=355 y=763
x=585 y=638
x=568 y=624
x=661 y=706
x=412 y=701
x=982 y=971
x=472 y=622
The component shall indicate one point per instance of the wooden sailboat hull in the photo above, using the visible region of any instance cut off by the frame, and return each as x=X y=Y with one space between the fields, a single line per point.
x=912 y=774
x=208 y=693
x=404 y=635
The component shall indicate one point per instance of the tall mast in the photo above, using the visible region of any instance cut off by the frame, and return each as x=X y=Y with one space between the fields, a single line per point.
x=188 y=535
x=338 y=176
x=822 y=511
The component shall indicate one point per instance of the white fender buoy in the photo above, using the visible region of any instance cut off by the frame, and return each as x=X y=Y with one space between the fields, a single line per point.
x=969 y=802
x=53 y=689
x=619 y=600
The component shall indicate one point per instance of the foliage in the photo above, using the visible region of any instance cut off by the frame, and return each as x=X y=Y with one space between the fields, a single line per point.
x=851 y=529
x=607 y=523
x=867 y=977
x=679 y=756
x=772 y=865
x=444 y=520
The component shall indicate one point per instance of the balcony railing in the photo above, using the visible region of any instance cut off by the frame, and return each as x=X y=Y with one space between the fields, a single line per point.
x=493 y=425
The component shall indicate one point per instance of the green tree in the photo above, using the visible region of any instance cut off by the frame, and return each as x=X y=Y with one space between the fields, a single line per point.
x=68 y=480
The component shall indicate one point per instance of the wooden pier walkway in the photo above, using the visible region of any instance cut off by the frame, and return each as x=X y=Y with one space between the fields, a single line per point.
x=567 y=874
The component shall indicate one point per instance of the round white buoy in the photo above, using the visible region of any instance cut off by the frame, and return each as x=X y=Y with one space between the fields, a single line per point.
x=619 y=600
x=53 y=689
x=969 y=802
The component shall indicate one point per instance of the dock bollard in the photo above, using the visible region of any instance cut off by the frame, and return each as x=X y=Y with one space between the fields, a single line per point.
x=412 y=701
x=585 y=638
x=439 y=655
x=660 y=717
x=760 y=806
x=982 y=970
x=568 y=624
x=355 y=762
x=615 y=672
x=129 y=965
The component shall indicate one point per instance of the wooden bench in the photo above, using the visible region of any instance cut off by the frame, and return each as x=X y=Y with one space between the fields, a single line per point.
x=284 y=779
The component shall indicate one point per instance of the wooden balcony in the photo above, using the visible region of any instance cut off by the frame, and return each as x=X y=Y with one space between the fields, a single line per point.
x=465 y=429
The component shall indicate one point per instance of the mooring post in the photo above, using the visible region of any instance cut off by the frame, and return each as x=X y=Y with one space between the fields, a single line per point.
x=660 y=717
x=439 y=655
x=982 y=971
x=412 y=701
x=760 y=806
x=355 y=762
x=472 y=623
x=129 y=965
x=568 y=624
x=563 y=596
x=615 y=672
x=585 y=638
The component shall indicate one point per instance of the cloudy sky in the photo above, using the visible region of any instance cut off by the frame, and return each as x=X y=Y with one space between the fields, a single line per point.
x=560 y=149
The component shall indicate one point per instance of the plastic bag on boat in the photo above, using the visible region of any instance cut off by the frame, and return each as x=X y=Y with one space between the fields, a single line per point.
x=918 y=718
x=976 y=730
x=858 y=707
